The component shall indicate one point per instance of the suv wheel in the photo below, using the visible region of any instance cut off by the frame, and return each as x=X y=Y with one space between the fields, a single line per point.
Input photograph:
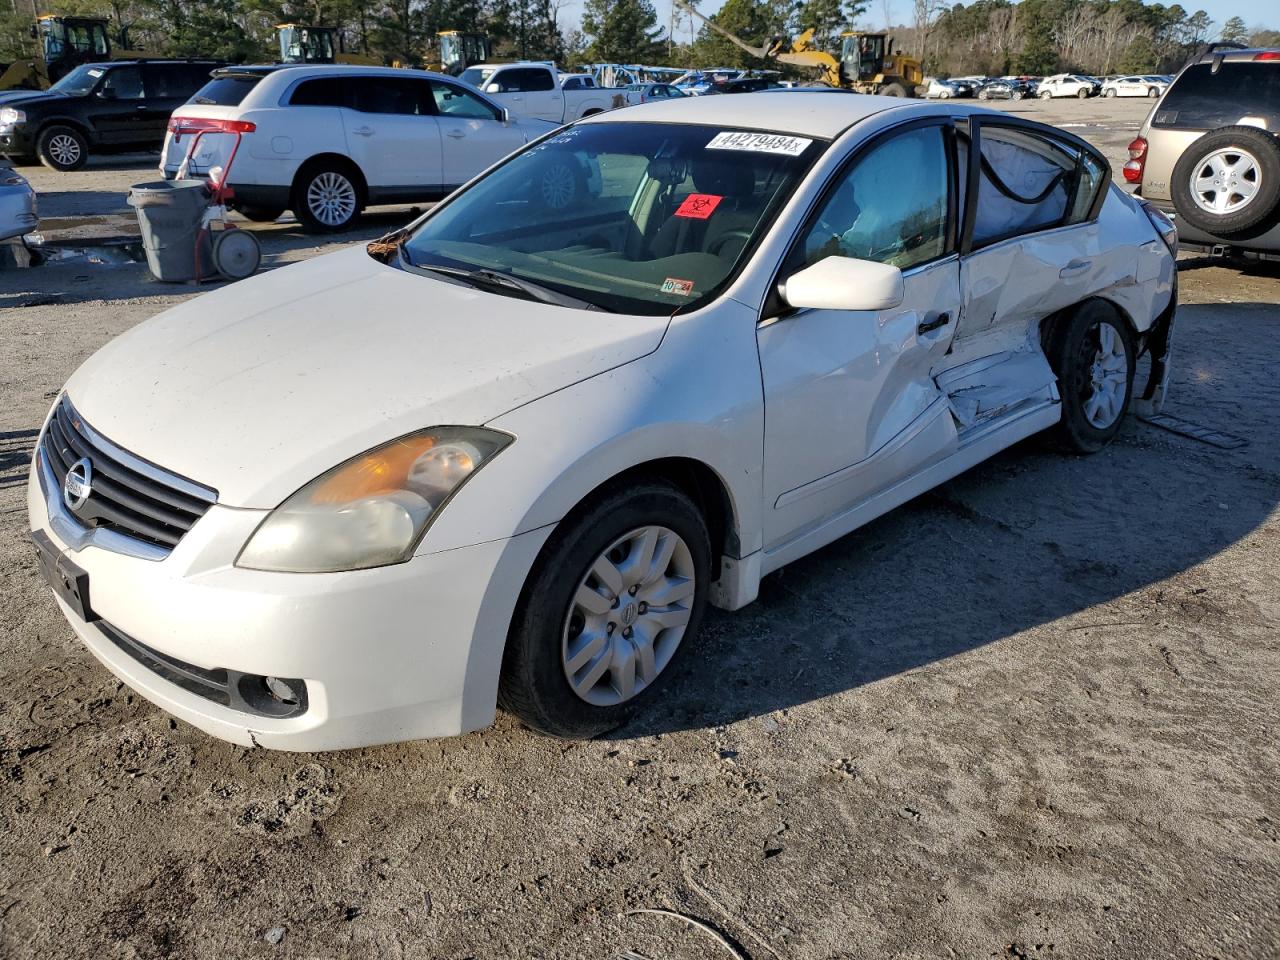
x=1083 y=93
x=62 y=148
x=1046 y=95
x=1093 y=353
x=618 y=591
x=326 y=198
x=1228 y=181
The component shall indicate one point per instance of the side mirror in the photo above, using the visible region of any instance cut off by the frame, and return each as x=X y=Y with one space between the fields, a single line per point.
x=492 y=88
x=506 y=116
x=107 y=93
x=843 y=283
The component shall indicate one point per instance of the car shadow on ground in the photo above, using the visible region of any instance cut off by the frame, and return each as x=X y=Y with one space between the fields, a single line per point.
x=16 y=448
x=1028 y=538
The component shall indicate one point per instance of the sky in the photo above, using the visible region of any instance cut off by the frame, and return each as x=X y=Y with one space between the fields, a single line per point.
x=1260 y=13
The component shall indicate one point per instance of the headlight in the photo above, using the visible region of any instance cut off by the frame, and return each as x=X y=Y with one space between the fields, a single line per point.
x=10 y=116
x=373 y=509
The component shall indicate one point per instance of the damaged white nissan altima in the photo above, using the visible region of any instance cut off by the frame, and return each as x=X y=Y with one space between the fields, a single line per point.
x=509 y=454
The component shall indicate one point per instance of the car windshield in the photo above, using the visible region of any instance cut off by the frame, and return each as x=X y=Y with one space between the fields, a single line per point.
x=79 y=82
x=629 y=217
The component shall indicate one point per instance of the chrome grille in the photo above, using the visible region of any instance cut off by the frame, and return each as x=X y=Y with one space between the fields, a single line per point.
x=127 y=495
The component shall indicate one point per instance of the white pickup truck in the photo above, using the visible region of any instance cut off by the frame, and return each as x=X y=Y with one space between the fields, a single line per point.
x=538 y=90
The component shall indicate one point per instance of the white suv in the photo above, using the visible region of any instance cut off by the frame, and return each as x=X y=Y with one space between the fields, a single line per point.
x=1067 y=85
x=327 y=141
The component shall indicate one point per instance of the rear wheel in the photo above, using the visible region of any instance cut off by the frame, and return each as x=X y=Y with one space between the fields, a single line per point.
x=1228 y=181
x=619 y=589
x=984 y=95
x=326 y=198
x=1083 y=93
x=62 y=148
x=1109 y=93
x=1046 y=95
x=1093 y=353
x=1153 y=92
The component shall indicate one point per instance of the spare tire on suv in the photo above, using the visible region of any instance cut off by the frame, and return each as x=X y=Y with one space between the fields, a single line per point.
x=1228 y=182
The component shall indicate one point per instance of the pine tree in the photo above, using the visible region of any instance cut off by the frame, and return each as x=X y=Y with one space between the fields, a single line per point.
x=622 y=31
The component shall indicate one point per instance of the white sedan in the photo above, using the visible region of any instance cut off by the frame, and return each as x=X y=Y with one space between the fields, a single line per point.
x=1135 y=87
x=510 y=454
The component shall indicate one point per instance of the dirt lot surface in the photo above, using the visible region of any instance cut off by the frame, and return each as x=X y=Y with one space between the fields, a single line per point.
x=1032 y=714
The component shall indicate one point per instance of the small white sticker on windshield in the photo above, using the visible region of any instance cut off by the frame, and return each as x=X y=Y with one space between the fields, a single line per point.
x=760 y=143
x=95 y=73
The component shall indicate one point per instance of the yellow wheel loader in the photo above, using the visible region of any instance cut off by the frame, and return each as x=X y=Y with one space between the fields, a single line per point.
x=308 y=44
x=62 y=44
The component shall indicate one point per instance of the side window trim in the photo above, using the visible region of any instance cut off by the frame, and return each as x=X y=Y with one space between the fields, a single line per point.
x=772 y=304
x=976 y=161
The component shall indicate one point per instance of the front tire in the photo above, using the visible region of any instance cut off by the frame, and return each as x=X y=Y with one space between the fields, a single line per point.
x=1153 y=92
x=1083 y=93
x=327 y=198
x=1109 y=94
x=618 y=591
x=1046 y=95
x=1093 y=353
x=60 y=147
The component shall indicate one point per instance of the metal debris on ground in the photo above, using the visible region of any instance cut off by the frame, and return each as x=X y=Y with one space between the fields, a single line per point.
x=1185 y=428
x=706 y=928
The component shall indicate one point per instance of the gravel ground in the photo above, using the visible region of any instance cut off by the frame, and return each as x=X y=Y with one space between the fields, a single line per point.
x=1031 y=714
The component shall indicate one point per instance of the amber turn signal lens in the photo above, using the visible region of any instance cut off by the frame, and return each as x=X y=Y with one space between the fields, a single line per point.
x=381 y=471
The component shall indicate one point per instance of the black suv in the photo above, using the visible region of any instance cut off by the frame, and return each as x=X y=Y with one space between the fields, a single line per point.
x=98 y=107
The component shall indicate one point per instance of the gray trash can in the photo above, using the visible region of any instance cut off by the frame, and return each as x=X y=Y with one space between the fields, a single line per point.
x=169 y=215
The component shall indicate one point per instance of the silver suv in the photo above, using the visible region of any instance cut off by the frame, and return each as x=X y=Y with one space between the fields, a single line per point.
x=1208 y=154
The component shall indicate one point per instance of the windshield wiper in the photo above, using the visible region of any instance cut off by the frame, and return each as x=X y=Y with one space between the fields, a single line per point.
x=498 y=282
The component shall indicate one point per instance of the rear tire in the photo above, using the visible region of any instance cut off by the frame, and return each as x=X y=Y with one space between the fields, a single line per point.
x=60 y=147
x=1109 y=94
x=551 y=630
x=984 y=95
x=1093 y=353
x=1083 y=93
x=1046 y=95
x=1153 y=92
x=327 y=197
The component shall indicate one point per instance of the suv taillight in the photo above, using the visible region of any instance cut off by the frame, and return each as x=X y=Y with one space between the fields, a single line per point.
x=181 y=125
x=1267 y=55
x=1137 y=160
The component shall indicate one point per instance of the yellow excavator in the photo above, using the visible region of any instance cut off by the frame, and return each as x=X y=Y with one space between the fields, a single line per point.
x=459 y=50
x=867 y=62
x=62 y=44
x=310 y=44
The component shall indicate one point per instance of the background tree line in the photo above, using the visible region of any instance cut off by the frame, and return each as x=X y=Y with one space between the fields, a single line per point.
x=990 y=37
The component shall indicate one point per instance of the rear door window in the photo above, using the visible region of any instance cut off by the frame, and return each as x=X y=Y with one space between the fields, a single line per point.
x=1203 y=100
x=392 y=95
x=1031 y=181
x=226 y=91
x=524 y=80
x=174 y=81
x=122 y=83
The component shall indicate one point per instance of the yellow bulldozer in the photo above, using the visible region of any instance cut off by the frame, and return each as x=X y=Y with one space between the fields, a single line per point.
x=61 y=45
x=313 y=44
x=867 y=61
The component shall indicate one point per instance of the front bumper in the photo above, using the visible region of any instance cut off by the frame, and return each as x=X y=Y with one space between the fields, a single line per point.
x=16 y=142
x=395 y=653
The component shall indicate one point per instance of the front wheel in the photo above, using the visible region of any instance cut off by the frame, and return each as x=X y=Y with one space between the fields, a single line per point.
x=619 y=589
x=1109 y=94
x=62 y=148
x=983 y=95
x=1093 y=353
x=1083 y=93
x=326 y=199
x=1046 y=95
x=1153 y=92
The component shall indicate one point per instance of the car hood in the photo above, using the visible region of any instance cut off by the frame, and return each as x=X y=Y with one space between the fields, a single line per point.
x=10 y=98
x=259 y=387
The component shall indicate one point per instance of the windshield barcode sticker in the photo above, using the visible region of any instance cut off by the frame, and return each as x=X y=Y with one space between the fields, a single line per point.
x=760 y=143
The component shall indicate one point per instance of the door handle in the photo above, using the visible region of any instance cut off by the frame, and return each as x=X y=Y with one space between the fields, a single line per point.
x=455 y=134
x=941 y=320
x=1075 y=268
x=363 y=131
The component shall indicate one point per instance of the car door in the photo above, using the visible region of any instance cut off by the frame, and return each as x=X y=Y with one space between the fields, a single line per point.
x=850 y=403
x=393 y=136
x=473 y=134
x=117 y=108
x=1031 y=244
x=167 y=86
x=532 y=92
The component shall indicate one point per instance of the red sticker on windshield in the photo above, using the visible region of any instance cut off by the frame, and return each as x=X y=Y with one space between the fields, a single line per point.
x=681 y=288
x=698 y=206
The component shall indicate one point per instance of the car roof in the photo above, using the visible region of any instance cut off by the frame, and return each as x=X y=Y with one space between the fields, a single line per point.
x=294 y=71
x=805 y=112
